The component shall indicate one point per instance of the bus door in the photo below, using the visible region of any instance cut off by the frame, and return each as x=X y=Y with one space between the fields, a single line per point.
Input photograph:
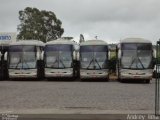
x=157 y=84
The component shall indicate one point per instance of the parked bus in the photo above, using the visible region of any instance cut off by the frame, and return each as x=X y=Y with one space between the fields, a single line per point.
x=94 y=57
x=24 y=60
x=135 y=59
x=3 y=64
x=60 y=59
x=5 y=39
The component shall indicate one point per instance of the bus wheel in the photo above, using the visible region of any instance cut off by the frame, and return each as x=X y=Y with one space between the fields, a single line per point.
x=107 y=79
x=147 y=81
x=80 y=79
x=118 y=79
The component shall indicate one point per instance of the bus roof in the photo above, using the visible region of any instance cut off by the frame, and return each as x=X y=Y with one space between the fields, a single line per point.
x=61 y=41
x=135 y=40
x=93 y=42
x=28 y=42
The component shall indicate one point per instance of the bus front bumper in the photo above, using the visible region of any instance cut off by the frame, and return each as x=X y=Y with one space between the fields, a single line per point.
x=136 y=77
x=49 y=72
x=88 y=74
x=136 y=74
x=30 y=73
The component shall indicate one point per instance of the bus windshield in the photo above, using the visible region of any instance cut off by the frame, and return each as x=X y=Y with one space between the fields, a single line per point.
x=22 y=57
x=58 y=56
x=136 y=56
x=93 y=57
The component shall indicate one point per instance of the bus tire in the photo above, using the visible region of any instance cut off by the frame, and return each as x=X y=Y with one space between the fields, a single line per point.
x=107 y=78
x=122 y=80
x=81 y=79
x=147 y=81
x=119 y=79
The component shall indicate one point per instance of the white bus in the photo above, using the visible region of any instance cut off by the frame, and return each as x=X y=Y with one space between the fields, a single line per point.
x=94 y=56
x=59 y=58
x=135 y=59
x=5 y=39
x=24 y=59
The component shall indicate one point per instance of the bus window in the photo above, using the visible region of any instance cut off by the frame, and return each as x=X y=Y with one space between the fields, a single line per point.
x=58 y=56
x=93 y=57
x=22 y=57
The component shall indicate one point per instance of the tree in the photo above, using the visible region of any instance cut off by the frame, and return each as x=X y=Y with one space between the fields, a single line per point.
x=40 y=25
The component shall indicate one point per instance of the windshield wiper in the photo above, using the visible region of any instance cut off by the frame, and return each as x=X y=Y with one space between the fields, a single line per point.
x=90 y=63
x=56 y=61
x=132 y=62
x=94 y=65
x=136 y=63
x=62 y=63
x=98 y=64
x=26 y=64
x=141 y=62
x=20 y=61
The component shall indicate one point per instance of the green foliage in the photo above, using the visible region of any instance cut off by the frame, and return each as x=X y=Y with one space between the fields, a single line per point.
x=112 y=62
x=40 y=25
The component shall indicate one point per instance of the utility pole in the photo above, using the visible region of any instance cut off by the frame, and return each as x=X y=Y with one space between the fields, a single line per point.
x=81 y=38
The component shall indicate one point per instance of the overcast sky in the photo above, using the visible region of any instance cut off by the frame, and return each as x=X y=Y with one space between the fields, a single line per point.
x=110 y=20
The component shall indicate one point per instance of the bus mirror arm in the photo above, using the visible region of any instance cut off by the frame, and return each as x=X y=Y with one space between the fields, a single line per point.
x=74 y=55
x=77 y=56
x=6 y=56
x=42 y=55
x=154 y=53
x=109 y=55
x=0 y=56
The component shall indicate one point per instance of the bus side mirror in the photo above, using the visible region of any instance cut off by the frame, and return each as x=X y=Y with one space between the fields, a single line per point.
x=0 y=56
x=154 y=53
x=119 y=54
x=38 y=55
x=5 y=56
x=77 y=56
x=42 y=55
x=74 y=55
x=109 y=55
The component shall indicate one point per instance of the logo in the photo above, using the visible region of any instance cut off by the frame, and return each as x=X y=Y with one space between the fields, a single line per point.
x=5 y=37
x=9 y=117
